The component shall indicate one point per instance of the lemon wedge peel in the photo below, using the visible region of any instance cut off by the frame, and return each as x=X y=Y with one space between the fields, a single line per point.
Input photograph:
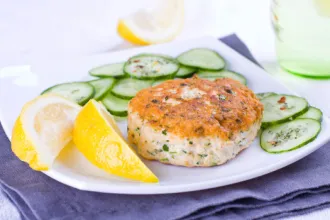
x=97 y=136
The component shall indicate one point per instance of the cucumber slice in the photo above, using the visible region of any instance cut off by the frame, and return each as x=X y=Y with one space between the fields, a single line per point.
x=109 y=70
x=158 y=81
x=202 y=58
x=102 y=86
x=119 y=118
x=312 y=113
x=151 y=66
x=213 y=75
x=128 y=87
x=116 y=106
x=264 y=94
x=79 y=92
x=185 y=71
x=281 y=108
x=290 y=135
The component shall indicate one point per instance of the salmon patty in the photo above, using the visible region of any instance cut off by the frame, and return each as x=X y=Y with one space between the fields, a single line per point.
x=194 y=122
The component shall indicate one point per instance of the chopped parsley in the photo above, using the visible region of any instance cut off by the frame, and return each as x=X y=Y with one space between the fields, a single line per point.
x=222 y=97
x=190 y=142
x=164 y=159
x=164 y=132
x=165 y=147
x=75 y=91
x=150 y=153
x=184 y=151
x=202 y=155
x=283 y=137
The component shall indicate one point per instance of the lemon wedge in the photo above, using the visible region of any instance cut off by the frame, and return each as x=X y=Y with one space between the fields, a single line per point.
x=43 y=128
x=151 y=27
x=98 y=138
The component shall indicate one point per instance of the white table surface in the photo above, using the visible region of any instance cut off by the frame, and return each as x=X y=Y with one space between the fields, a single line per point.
x=39 y=29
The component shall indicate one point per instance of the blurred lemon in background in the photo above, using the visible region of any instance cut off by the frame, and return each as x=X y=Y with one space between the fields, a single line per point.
x=152 y=26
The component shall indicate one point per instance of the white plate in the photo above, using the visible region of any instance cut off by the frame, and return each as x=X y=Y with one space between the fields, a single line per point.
x=21 y=83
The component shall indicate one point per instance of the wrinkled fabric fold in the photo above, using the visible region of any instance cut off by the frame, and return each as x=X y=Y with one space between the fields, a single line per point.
x=296 y=189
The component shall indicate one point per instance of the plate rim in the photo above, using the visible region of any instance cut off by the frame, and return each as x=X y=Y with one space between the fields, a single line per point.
x=152 y=189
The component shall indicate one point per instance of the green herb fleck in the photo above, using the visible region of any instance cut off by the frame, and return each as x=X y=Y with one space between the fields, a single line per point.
x=165 y=147
x=190 y=142
x=202 y=155
x=137 y=129
x=164 y=132
x=173 y=152
x=75 y=91
x=166 y=98
x=197 y=163
x=208 y=144
x=214 y=164
x=222 y=97
x=151 y=153
x=184 y=151
x=164 y=159
x=283 y=137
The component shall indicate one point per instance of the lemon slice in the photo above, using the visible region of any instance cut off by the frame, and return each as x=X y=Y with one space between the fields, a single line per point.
x=98 y=138
x=43 y=128
x=151 y=27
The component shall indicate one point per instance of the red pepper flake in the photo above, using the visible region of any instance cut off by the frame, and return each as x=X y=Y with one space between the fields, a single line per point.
x=274 y=143
x=283 y=108
x=282 y=100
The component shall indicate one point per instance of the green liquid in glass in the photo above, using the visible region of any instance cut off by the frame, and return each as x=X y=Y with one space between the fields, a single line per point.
x=303 y=36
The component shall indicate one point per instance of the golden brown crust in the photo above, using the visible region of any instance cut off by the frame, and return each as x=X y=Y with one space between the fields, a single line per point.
x=220 y=108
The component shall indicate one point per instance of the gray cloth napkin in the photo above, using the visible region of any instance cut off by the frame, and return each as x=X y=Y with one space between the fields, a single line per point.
x=299 y=188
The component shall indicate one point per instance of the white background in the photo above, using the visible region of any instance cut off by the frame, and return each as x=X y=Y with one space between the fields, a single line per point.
x=40 y=29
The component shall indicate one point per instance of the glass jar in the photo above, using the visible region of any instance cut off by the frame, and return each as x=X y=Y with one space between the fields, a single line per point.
x=302 y=29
